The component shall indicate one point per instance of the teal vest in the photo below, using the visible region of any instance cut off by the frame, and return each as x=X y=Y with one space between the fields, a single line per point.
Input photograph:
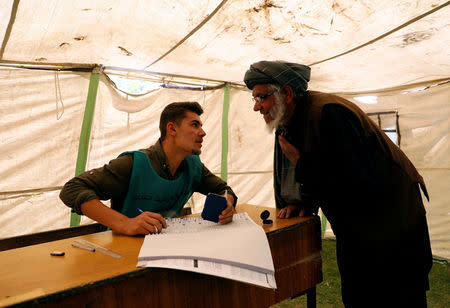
x=150 y=192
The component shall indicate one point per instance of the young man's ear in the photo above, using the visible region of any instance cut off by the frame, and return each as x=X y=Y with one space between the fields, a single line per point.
x=171 y=129
x=287 y=93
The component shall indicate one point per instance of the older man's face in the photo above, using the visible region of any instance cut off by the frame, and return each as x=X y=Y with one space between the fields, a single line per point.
x=269 y=104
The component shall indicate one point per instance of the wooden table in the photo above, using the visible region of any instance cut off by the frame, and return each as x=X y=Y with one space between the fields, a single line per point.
x=30 y=276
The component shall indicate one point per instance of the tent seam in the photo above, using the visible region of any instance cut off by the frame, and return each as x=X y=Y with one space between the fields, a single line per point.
x=12 y=19
x=190 y=33
x=385 y=34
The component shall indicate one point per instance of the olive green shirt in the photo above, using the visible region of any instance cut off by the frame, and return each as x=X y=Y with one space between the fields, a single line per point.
x=112 y=180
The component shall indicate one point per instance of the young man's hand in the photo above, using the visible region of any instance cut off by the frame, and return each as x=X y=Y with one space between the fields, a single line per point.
x=145 y=223
x=227 y=214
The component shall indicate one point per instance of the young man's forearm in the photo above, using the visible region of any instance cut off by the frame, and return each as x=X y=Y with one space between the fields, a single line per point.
x=108 y=217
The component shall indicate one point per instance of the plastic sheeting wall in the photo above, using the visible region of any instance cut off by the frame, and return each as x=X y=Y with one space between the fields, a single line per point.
x=40 y=132
x=38 y=150
x=39 y=135
x=424 y=122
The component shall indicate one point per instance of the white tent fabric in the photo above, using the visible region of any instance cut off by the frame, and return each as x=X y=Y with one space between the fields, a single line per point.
x=424 y=121
x=374 y=48
x=40 y=147
x=39 y=138
x=134 y=34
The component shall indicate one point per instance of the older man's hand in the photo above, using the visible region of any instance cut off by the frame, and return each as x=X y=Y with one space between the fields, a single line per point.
x=291 y=152
x=291 y=211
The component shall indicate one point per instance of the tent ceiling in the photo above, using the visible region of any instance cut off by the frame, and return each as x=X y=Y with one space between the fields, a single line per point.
x=134 y=34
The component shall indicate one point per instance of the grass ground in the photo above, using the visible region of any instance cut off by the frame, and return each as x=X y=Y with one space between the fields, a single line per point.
x=329 y=292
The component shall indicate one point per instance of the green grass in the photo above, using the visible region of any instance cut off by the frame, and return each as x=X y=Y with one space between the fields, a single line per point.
x=329 y=291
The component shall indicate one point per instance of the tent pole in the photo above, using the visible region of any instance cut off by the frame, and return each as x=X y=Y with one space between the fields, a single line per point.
x=85 y=135
x=226 y=107
x=323 y=219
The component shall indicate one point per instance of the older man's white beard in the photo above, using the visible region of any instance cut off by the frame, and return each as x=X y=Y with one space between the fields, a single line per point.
x=277 y=113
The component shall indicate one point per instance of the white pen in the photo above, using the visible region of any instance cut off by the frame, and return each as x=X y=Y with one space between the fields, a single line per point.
x=83 y=247
x=156 y=228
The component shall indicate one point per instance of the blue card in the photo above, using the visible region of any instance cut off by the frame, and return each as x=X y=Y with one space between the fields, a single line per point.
x=214 y=205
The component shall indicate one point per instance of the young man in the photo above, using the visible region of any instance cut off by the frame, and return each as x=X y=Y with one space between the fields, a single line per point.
x=329 y=153
x=145 y=186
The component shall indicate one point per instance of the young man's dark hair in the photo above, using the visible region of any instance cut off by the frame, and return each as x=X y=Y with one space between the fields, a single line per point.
x=176 y=112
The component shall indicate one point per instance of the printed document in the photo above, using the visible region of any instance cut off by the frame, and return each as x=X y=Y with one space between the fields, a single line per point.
x=238 y=250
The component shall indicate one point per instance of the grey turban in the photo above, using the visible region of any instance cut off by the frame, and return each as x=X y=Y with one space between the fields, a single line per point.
x=278 y=72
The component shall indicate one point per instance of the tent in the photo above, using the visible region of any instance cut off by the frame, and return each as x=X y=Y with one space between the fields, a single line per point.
x=63 y=109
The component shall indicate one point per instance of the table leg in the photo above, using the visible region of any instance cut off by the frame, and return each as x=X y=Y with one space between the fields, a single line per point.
x=311 y=298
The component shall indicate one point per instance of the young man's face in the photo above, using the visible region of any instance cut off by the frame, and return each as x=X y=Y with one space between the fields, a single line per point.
x=190 y=134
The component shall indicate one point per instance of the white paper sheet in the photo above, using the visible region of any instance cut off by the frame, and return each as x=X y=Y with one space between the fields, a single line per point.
x=238 y=250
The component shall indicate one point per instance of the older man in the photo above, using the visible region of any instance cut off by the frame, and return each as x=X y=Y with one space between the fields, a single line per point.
x=328 y=153
x=147 y=185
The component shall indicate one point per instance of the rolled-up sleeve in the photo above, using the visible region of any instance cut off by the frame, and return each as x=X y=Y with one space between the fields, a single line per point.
x=104 y=183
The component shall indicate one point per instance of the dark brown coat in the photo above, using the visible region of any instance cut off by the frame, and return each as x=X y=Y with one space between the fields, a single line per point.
x=369 y=191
